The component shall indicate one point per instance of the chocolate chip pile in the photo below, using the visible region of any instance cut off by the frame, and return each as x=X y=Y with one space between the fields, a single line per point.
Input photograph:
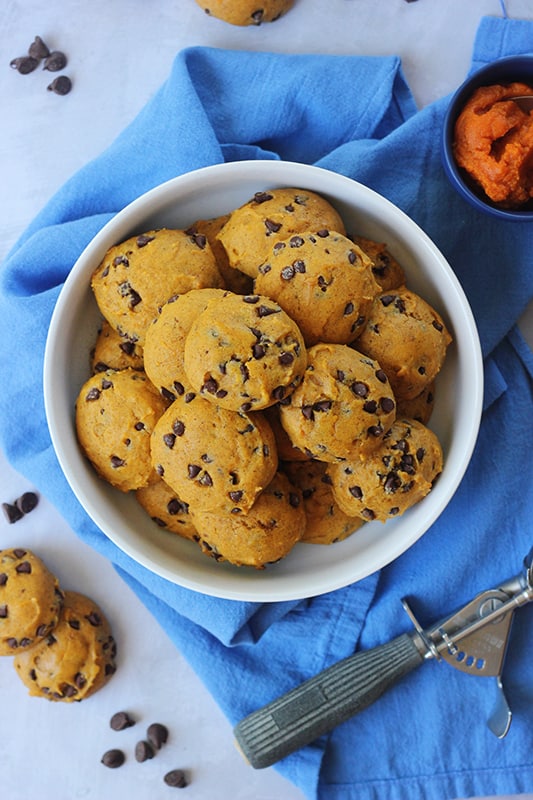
x=144 y=750
x=20 y=507
x=52 y=61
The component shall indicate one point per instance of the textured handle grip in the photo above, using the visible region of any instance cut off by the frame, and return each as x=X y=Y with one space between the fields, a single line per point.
x=323 y=702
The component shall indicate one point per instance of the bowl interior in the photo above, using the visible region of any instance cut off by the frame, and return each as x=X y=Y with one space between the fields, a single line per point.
x=309 y=569
x=505 y=70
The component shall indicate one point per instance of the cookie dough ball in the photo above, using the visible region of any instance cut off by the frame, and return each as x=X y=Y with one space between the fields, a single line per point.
x=76 y=659
x=323 y=281
x=234 y=280
x=275 y=523
x=253 y=228
x=391 y=480
x=343 y=407
x=387 y=272
x=244 y=353
x=326 y=523
x=166 y=509
x=137 y=277
x=246 y=12
x=113 y=351
x=214 y=459
x=164 y=346
x=30 y=600
x=116 y=413
x=420 y=407
x=408 y=338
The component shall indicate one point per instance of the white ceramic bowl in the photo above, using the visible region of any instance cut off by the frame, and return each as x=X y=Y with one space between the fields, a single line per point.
x=309 y=569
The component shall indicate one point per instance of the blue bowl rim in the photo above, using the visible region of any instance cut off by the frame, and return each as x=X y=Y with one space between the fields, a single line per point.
x=509 y=68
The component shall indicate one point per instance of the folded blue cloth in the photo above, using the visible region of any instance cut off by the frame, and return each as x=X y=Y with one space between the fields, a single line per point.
x=426 y=739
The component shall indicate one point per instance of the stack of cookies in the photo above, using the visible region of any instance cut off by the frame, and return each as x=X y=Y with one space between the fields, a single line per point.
x=61 y=641
x=262 y=379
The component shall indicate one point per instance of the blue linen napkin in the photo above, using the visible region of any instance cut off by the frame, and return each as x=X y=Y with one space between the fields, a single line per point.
x=427 y=738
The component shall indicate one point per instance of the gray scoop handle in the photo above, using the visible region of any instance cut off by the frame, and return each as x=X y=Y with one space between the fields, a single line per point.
x=323 y=702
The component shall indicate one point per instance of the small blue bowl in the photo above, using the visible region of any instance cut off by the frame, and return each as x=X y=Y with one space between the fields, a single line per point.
x=505 y=70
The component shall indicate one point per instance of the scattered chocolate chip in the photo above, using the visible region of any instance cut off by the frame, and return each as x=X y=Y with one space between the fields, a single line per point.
x=24 y=568
x=3 y=578
x=143 y=751
x=27 y=502
x=113 y=758
x=157 y=734
x=121 y=720
x=38 y=49
x=24 y=64
x=3 y=611
x=61 y=85
x=12 y=513
x=55 y=61
x=176 y=777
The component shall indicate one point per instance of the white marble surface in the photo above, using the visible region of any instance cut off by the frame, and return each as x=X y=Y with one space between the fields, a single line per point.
x=119 y=54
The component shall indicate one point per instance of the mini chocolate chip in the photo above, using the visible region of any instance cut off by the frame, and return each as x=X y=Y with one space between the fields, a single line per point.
x=41 y=630
x=157 y=734
x=296 y=241
x=370 y=406
x=178 y=427
x=94 y=619
x=60 y=85
x=368 y=514
x=265 y=311
x=307 y=411
x=12 y=513
x=24 y=568
x=189 y=397
x=286 y=359
x=74 y=624
x=250 y=298
x=381 y=376
x=287 y=273
x=375 y=430
x=113 y=758
x=210 y=385
x=387 y=404
x=121 y=720
x=143 y=751
x=206 y=479
x=437 y=325
x=294 y=500
x=117 y=462
x=169 y=439
x=27 y=502
x=271 y=226
x=55 y=61
x=3 y=578
x=261 y=197
x=143 y=240
x=259 y=351
x=24 y=64
x=12 y=642
x=92 y=394
x=3 y=611
x=387 y=299
x=359 y=388
x=80 y=680
x=348 y=309
x=176 y=778
x=18 y=552
x=356 y=492
x=193 y=470
x=236 y=497
x=38 y=49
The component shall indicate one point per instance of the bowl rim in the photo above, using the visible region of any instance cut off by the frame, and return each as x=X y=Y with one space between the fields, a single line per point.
x=481 y=77
x=246 y=586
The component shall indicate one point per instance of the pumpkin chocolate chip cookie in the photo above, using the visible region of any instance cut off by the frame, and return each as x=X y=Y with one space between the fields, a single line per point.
x=343 y=407
x=76 y=659
x=244 y=352
x=213 y=458
x=30 y=600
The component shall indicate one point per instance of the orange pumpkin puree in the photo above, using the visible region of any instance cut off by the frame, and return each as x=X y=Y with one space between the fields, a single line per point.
x=494 y=143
